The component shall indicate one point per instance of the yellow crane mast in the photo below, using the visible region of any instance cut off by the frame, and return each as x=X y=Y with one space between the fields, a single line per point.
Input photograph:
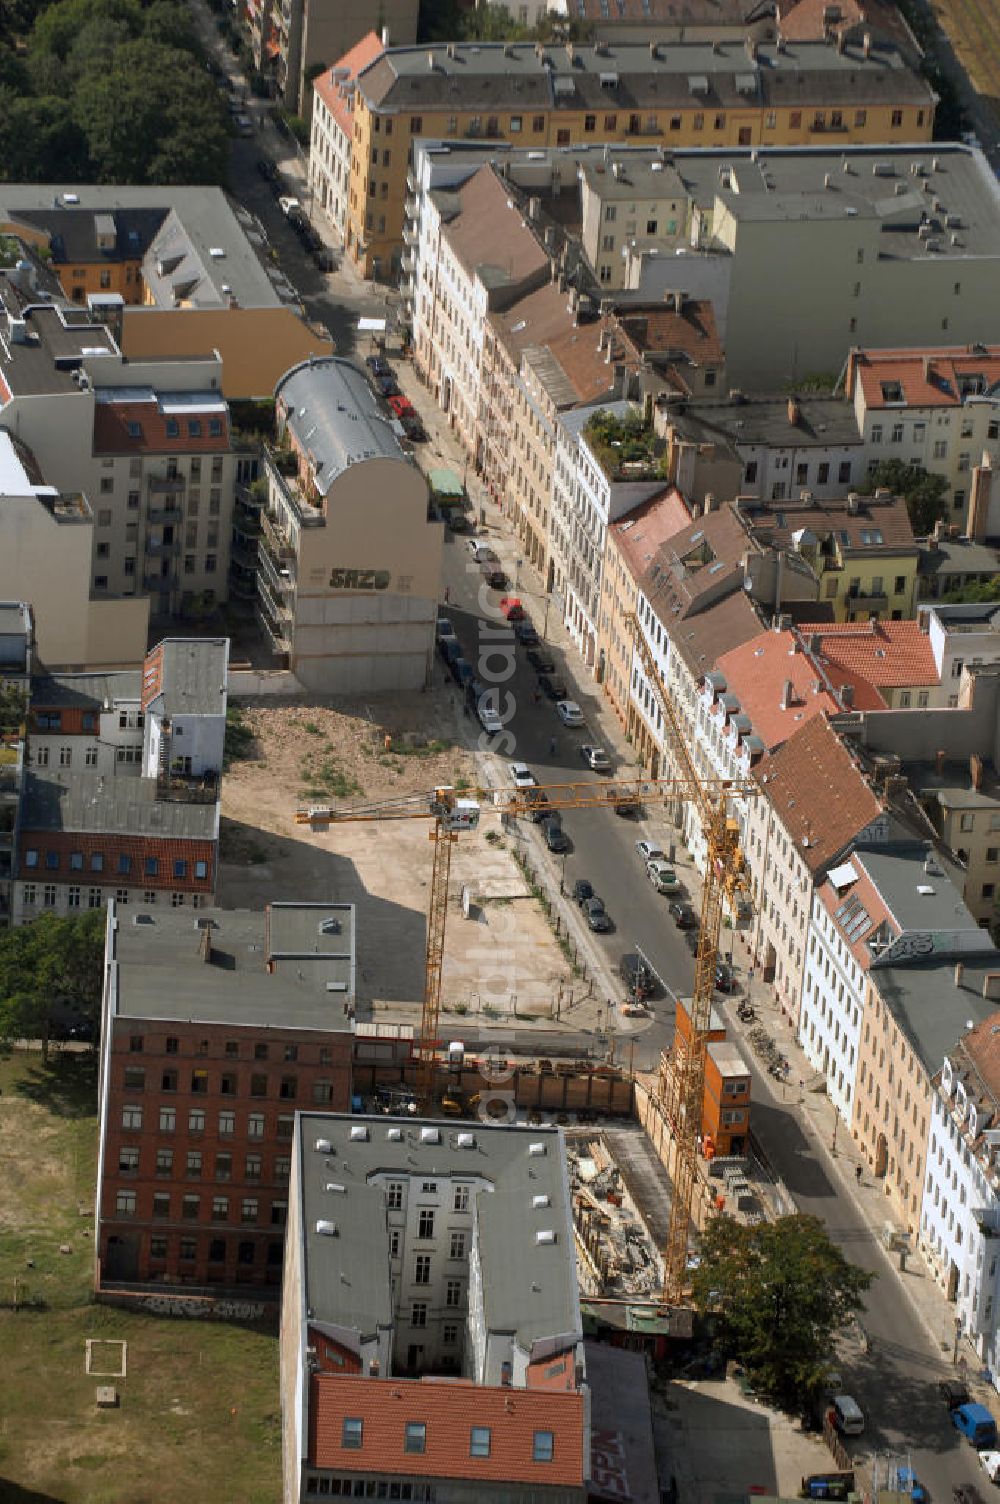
x=682 y=1083
x=452 y=814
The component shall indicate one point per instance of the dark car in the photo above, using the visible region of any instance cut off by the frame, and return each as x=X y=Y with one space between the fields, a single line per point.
x=596 y=915
x=627 y=809
x=494 y=576
x=386 y=386
x=683 y=916
x=457 y=520
x=637 y=975
x=267 y=169
x=526 y=634
x=582 y=890
x=540 y=661
x=378 y=365
x=556 y=838
x=552 y=687
x=953 y=1392
x=414 y=430
x=540 y=806
x=323 y=257
x=725 y=981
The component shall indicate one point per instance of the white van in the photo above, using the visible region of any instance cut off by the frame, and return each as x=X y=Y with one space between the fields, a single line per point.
x=848 y=1416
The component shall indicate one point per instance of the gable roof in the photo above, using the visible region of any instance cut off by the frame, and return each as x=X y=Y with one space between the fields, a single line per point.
x=489 y=235
x=758 y=671
x=924 y=378
x=330 y=85
x=817 y=792
x=888 y=654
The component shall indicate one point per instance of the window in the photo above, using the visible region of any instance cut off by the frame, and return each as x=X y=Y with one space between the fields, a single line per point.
x=227 y=1124
x=260 y=1052
x=844 y=472
x=31 y=858
x=220 y=1208
x=453 y=1292
x=282 y=1167
x=422 y=1272
x=418 y=1313
x=255 y=1125
x=860 y=117
x=425 y=1223
x=125 y=1203
x=543 y=1447
x=988 y=889
x=248 y=1209
x=244 y=1253
x=135 y=1078
x=289 y=1088
x=135 y=1043
x=223 y=1167
x=590 y=124
x=254 y=1166
x=161 y=1205
x=897 y=119
x=285 y=1126
x=415 y=1436
x=394 y=1195
x=168 y=1081
x=279 y=1213
x=190 y=1207
x=196 y=1120
x=128 y=1158
x=227 y=1085
x=967 y=822
x=457 y=1248
x=515 y=124
x=322 y=1091
x=479 y=1441
x=258 y=1086
x=164 y=1161
x=180 y=869
x=199 y=1081
x=352 y=1433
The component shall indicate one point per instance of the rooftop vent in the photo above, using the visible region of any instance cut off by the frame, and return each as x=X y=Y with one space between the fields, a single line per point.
x=330 y=926
x=466 y=1140
x=336 y=1188
x=537 y=1148
x=359 y=1133
x=143 y=919
x=216 y=252
x=539 y=1201
x=322 y=1146
x=545 y=1235
x=326 y=1229
x=430 y=1135
x=394 y=1135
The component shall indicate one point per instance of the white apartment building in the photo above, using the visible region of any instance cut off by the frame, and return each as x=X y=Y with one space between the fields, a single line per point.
x=333 y=129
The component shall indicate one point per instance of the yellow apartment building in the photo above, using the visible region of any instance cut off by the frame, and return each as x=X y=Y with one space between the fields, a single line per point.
x=692 y=94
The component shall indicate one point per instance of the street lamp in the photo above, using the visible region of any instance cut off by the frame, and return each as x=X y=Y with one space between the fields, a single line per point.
x=958 y=1338
x=562 y=874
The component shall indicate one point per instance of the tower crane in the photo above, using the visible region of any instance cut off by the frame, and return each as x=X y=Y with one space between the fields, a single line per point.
x=682 y=1082
x=451 y=814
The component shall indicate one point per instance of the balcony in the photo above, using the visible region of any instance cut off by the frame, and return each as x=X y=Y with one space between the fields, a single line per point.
x=165 y=511
x=274 y=538
x=859 y=600
x=410 y=206
x=408 y=260
x=280 y=580
x=158 y=549
x=412 y=186
x=410 y=235
x=166 y=485
x=253 y=497
x=157 y=584
x=275 y=634
x=271 y=599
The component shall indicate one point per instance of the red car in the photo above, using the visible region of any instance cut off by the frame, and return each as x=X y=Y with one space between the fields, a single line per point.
x=512 y=608
x=402 y=407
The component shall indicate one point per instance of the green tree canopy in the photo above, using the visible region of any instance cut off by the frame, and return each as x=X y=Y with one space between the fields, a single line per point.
x=924 y=493
x=50 y=976
x=975 y=591
x=39 y=141
x=781 y=1291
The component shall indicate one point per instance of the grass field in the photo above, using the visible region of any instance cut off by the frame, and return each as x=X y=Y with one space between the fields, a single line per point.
x=199 y=1413
x=973 y=28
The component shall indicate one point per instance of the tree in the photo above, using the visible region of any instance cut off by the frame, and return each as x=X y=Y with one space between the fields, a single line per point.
x=780 y=1292
x=976 y=591
x=39 y=141
x=924 y=493
x=50 y=977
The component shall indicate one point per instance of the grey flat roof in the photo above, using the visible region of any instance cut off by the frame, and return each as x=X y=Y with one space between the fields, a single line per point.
x=15 y=617
x=959 y=556
x=644 y=178
x=952 y=787
x=193 y=680
x=334 y=416
x=821 y=421
x=529 y=1287
x=163 y=973
x=931 y=1011
x=97 y=804
x=85 y=691
x=625 y=74
x=897 y=871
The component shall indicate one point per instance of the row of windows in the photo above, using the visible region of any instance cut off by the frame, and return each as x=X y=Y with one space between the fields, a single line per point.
x=368 y=1488
x=187 y=1250
x=172 y=1046
x=490 y=125
x=415 y=1439
x=191 y=1207
x=260 y=1085
x=132 y=1117
x=130 y=1157
x=95 y=897
x=52 y=862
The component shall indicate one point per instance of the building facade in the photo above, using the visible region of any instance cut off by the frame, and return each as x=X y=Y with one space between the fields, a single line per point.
x=213 y=1035
x=332 y=133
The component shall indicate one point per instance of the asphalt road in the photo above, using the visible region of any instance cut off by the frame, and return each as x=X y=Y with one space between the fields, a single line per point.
x=602 y=843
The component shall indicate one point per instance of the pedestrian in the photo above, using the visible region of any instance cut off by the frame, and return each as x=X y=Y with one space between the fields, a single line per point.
x=447 y=594
x=857 y=1173
x=552 y=746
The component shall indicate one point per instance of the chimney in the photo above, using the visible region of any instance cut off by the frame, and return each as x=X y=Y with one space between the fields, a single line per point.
x=794 y=412
x=959 y=972
x=847 y=696
x=534 y=208
x=787 y=694
x=977 y=524
x=841 y=43
x=205 y=944
x=928 y=367
x=939 y=761
x=654 y=50
x=976 y=771
x=385 y=36
x=991 y=984
x=866 y=44
x=709 y=502
x=853 y=503
x=815 y=643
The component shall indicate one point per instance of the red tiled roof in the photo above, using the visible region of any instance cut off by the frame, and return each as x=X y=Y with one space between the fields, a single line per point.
x=167 y=851
x=815 y=788
x=655 y=329
x=348 y=67
x=888 y=654
x=981 y=1047
x=928 y=378
x=758 y=671
x=640 y=532
x=111 y=430
x=448 y=1409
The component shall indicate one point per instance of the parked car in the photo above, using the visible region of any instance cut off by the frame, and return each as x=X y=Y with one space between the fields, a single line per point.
x=552 y=687
x=323 y=258
x=569 y=712
x=725 y=980
x=540 y=808
x=511 y=608
x=481 y=552
x=625 y=809
x=402 y=407
x=650 y=852
x=848 y=1416
x=288 y=205
x=540 y=661
x=521 y=776
x=953 y=1392
x=596 y=758
x=556 y=838
x=903 y=1480
x=444 y=630
x=990 y=1462
x=458 y=668
x=582 y=890
x=663 y=877
x=457 y=521
x=488 y=718
x=525 y=633
x=243 y=124
x=267 y=169
x=637 y=975
x=378 y=365
x=596 y=915
x=683 y=916
x=494 y=576
x=386 y=386
x=976 y=1424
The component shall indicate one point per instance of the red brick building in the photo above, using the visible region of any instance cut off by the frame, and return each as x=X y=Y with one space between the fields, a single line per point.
x=216 y=1028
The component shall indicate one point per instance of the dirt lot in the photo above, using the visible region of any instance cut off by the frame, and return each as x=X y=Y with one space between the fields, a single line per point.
x=199 y=1410
x=499 y=960
x=973 y=28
